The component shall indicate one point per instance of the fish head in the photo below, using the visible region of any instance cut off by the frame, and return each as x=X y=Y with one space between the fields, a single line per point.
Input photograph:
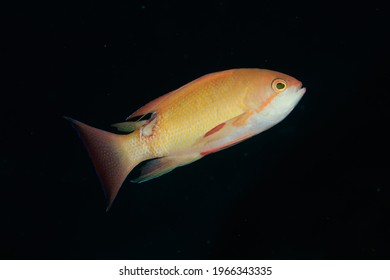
x=277 y=95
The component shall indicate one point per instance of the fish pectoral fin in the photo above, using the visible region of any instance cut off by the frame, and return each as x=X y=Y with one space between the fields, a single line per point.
x=226 y=127
x=160 y=166
x=128 y=126
x=224 y=135
x=241 y=119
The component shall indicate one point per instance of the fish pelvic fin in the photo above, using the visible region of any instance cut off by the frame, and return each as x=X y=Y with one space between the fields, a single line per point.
x=160 y=166
x=114 y=156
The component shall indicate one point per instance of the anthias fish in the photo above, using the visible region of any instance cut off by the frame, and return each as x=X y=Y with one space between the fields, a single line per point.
x=207 y=115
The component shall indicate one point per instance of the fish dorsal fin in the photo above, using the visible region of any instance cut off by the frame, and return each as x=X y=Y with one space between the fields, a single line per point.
x=156 y=104
x=225 y=134
x=148 y=108
x=129 y=126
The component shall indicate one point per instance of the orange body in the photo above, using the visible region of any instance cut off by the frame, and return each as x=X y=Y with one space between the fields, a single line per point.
x=211 y=113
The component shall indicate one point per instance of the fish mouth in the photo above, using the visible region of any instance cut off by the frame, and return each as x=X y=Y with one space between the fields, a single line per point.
x=301 y=90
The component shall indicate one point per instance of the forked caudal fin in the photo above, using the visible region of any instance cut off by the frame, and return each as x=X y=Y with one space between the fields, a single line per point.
x=113 y=156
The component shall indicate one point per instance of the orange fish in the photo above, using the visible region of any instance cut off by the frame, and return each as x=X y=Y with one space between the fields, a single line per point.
x=202 y=117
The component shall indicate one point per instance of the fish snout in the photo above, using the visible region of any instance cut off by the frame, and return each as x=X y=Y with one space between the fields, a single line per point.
x=301 y=90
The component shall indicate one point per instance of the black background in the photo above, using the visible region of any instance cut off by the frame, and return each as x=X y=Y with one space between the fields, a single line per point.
x=313 y=187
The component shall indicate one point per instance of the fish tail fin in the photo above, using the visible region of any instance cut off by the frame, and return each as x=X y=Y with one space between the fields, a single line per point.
x=113 y=155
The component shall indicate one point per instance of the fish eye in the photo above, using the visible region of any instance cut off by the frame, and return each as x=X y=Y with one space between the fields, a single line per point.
x=279 y=85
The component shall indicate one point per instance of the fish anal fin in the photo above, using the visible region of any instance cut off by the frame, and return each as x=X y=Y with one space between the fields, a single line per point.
x=160 y=166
